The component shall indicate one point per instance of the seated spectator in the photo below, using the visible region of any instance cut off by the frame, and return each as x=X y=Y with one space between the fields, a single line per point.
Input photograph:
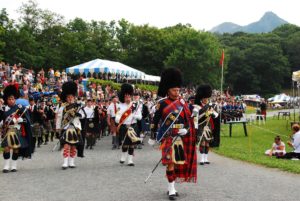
x=294 y=143
x=278 y=148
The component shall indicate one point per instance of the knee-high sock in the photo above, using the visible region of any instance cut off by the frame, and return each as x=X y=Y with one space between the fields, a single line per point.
x=73 y=151
x=66 y=151
x=170 y=175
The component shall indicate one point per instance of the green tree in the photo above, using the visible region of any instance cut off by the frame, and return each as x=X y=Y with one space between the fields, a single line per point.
x=196 y=53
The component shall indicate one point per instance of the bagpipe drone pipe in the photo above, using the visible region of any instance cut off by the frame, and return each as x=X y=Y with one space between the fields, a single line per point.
x=231 y=115
x=37 y=96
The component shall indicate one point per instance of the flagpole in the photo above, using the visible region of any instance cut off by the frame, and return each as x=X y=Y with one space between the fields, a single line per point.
x=222 y=78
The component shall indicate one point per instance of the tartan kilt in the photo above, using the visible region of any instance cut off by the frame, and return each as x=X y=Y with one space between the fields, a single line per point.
x=48 y=126
x=188 y=171
x=91 y=126
x=36 y=130
x=21 y=139
x=113 y=126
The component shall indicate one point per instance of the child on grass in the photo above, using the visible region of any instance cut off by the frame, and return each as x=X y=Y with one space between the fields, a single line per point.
x=278 y=148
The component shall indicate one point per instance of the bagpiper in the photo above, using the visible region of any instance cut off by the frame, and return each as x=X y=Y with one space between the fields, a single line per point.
x=90 y=117
x=36 y=123
x=203 y=112
x=111 y=114
x=69 y=124
x=126 y=117
x=16 y=131
x=176 y=132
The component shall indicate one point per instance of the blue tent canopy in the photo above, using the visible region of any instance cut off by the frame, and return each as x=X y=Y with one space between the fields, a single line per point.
x=99 y=65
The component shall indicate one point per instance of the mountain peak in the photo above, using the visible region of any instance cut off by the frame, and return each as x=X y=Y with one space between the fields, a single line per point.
x=267 y=23
x=270 y=16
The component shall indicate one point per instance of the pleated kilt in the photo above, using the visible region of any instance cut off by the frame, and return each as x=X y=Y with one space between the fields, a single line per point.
x=16 y=138
x=48 y=126
x=91 y=126
x=37 y=130
x=71 y=136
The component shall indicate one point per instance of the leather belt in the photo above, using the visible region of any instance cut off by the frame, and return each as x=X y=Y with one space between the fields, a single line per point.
x=178 y=126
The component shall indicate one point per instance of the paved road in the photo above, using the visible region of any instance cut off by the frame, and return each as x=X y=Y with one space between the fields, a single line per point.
x=99 y=176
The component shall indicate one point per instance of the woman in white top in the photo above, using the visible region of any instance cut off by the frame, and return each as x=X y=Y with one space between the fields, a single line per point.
x=294 y=143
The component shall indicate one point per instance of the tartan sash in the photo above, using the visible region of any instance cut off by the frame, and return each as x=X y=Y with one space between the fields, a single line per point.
x=124 y=116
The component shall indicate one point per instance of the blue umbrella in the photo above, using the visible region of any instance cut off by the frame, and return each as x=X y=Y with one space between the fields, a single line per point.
x=22 y=101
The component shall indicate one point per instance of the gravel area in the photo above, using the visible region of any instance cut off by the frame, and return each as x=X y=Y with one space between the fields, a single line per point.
x=99 y=176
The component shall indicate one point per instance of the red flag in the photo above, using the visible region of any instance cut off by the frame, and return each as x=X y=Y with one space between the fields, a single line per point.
x=222 y=58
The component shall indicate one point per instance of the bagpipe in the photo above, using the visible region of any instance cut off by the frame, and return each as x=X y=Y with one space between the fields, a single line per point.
x=231 y=114
x=40 y=95
x=10 y=133
x=202 y=117
x=71 y=111
x=71 y=134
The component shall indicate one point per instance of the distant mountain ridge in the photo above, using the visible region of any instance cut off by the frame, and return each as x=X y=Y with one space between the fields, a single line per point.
x=267 y=23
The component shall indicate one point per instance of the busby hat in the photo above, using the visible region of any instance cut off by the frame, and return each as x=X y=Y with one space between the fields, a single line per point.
x=68 y=88
x=10 y=90
x=191 y=98
x=125 y=89
x=170 y=78
x=203 y=91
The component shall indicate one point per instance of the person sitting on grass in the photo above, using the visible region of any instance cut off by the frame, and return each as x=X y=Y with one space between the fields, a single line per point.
x=278 y=148
x=294 y=143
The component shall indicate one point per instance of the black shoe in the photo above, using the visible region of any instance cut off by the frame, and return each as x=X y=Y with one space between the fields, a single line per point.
x=122 y=162
x=5 y=171
x=91 y=147
x=72 y=166
x=38 y=145
x=207 y=162
x=64 y=168
x=86 y=147
x=14 y=170
x=45 y=143
x=131 y=164
x=114 y=147
x=201 y=163
x=172 y=197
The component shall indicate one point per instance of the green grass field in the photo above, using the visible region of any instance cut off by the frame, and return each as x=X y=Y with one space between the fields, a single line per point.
x=252 y=110
x=253 y=147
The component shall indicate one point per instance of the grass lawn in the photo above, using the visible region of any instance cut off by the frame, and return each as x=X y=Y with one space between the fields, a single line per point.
x=252 y=110
x=253 y=147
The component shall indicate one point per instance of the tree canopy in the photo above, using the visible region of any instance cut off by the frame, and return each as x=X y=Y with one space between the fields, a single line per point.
x=254 y=63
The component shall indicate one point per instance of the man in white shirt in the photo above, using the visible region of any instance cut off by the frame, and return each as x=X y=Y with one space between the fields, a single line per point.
x=90 y=116
x=111 y=114
x=127 y=117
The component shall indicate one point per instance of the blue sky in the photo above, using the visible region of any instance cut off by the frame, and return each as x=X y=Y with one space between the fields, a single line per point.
x=201 y=14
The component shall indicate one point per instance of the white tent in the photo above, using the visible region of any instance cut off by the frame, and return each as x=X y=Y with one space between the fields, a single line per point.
x=280 y=98
x=151 y=78
x=106 y=66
